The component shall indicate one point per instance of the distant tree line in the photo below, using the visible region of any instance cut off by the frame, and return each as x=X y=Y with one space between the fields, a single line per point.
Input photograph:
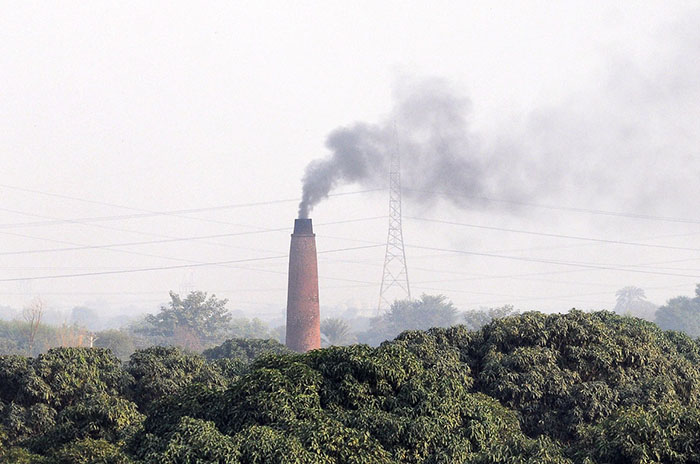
x=424 y=313
x=199 y=321
x=195 y=322
x=681 y=313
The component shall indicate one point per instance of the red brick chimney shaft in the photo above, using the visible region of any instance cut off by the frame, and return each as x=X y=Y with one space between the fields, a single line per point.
x=303 y=313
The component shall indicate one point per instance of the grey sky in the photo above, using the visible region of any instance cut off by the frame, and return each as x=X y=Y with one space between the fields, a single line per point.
x=175 y=106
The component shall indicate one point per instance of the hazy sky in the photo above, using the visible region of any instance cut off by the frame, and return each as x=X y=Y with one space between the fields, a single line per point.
x=111 y=112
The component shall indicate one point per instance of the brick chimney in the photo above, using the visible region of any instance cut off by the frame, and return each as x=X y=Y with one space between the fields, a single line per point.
x=303 y=313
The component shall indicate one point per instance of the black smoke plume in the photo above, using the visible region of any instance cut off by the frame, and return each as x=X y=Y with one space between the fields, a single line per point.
x=440 y=155
x=619 y=144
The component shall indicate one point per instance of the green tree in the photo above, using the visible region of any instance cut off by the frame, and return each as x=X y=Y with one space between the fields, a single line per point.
x=193 y=323
x=575 y=388
x=66 y=375
x=632 y=301
x=89 y=451
x=424 y=313
x=233 y=357
x=279 y=333
x=119 y=342
x=476 y=319
x=17 y=455
x=161 y=371
x=244 y=350
x=682 y=314
x=248 y=328
x=63 y=395
x=666 y=433
x=97 y=416
x=193 y=441
x=562 y=371
x=336 y=331
x=13 y=338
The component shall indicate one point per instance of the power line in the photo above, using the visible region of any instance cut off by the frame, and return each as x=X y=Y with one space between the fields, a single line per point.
x=149 y=213
x=161 y=268
x=570 y=271
x=131 y=252
x=527 y=277
x=123 y=244
x=111 y=247
x=560 y=247
x=76 y=245
x=166 y=240
x=549 y=261
x=98 y=226
x=565 y=208
x=505 y=299
x=518 y=276
x=587 y=266
x=260 y=230
x=50 y=221
x=118 y=229
x=544 y=234
x=194 y=262
x=144 y=269
x=170 y=238
x=159 y=292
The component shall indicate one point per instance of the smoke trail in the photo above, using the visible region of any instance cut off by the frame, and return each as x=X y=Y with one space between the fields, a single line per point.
x=599 y=148
x=439 y=152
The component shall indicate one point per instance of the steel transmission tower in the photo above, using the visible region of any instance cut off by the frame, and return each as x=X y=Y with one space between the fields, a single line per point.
x=395 y=276
x=187 y=285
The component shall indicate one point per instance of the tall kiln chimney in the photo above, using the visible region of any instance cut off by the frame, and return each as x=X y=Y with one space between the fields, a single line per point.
x=303 y=313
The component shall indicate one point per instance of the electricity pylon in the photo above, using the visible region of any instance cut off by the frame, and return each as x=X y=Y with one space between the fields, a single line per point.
x=395 y=276
x=187 y=285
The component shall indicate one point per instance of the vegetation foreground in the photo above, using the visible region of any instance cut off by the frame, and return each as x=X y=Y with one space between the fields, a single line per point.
x=533 y=388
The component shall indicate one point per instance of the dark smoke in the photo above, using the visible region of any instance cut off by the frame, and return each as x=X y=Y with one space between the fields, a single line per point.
x=440 y=155
x=617 y=145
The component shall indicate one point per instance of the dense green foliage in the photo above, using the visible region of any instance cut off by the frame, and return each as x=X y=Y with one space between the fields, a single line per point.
x=119 y=342
x=159 y=372
x=476 y=319
x=192 y=322
x=233 y=356
x=421 y=314
x=196 y=322
x=244 y=350
x=681 y=313
x=579 y=388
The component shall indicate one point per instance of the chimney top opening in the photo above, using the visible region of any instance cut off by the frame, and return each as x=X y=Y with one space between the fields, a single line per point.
x=303 y=227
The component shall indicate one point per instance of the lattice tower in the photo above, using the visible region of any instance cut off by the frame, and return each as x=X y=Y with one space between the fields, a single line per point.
x=395 y=276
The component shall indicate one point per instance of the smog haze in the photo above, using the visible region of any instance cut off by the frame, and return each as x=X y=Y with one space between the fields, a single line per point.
x=549 y=151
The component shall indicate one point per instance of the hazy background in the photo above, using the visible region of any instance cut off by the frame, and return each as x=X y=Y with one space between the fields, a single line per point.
x=113 y=112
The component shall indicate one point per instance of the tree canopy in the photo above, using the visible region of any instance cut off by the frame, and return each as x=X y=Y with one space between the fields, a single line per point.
x=681 y=313
x=426 y=312
x=632 y=301
x=577 y=388
x=336 y=331
x=193 y=322
x=476 y=319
